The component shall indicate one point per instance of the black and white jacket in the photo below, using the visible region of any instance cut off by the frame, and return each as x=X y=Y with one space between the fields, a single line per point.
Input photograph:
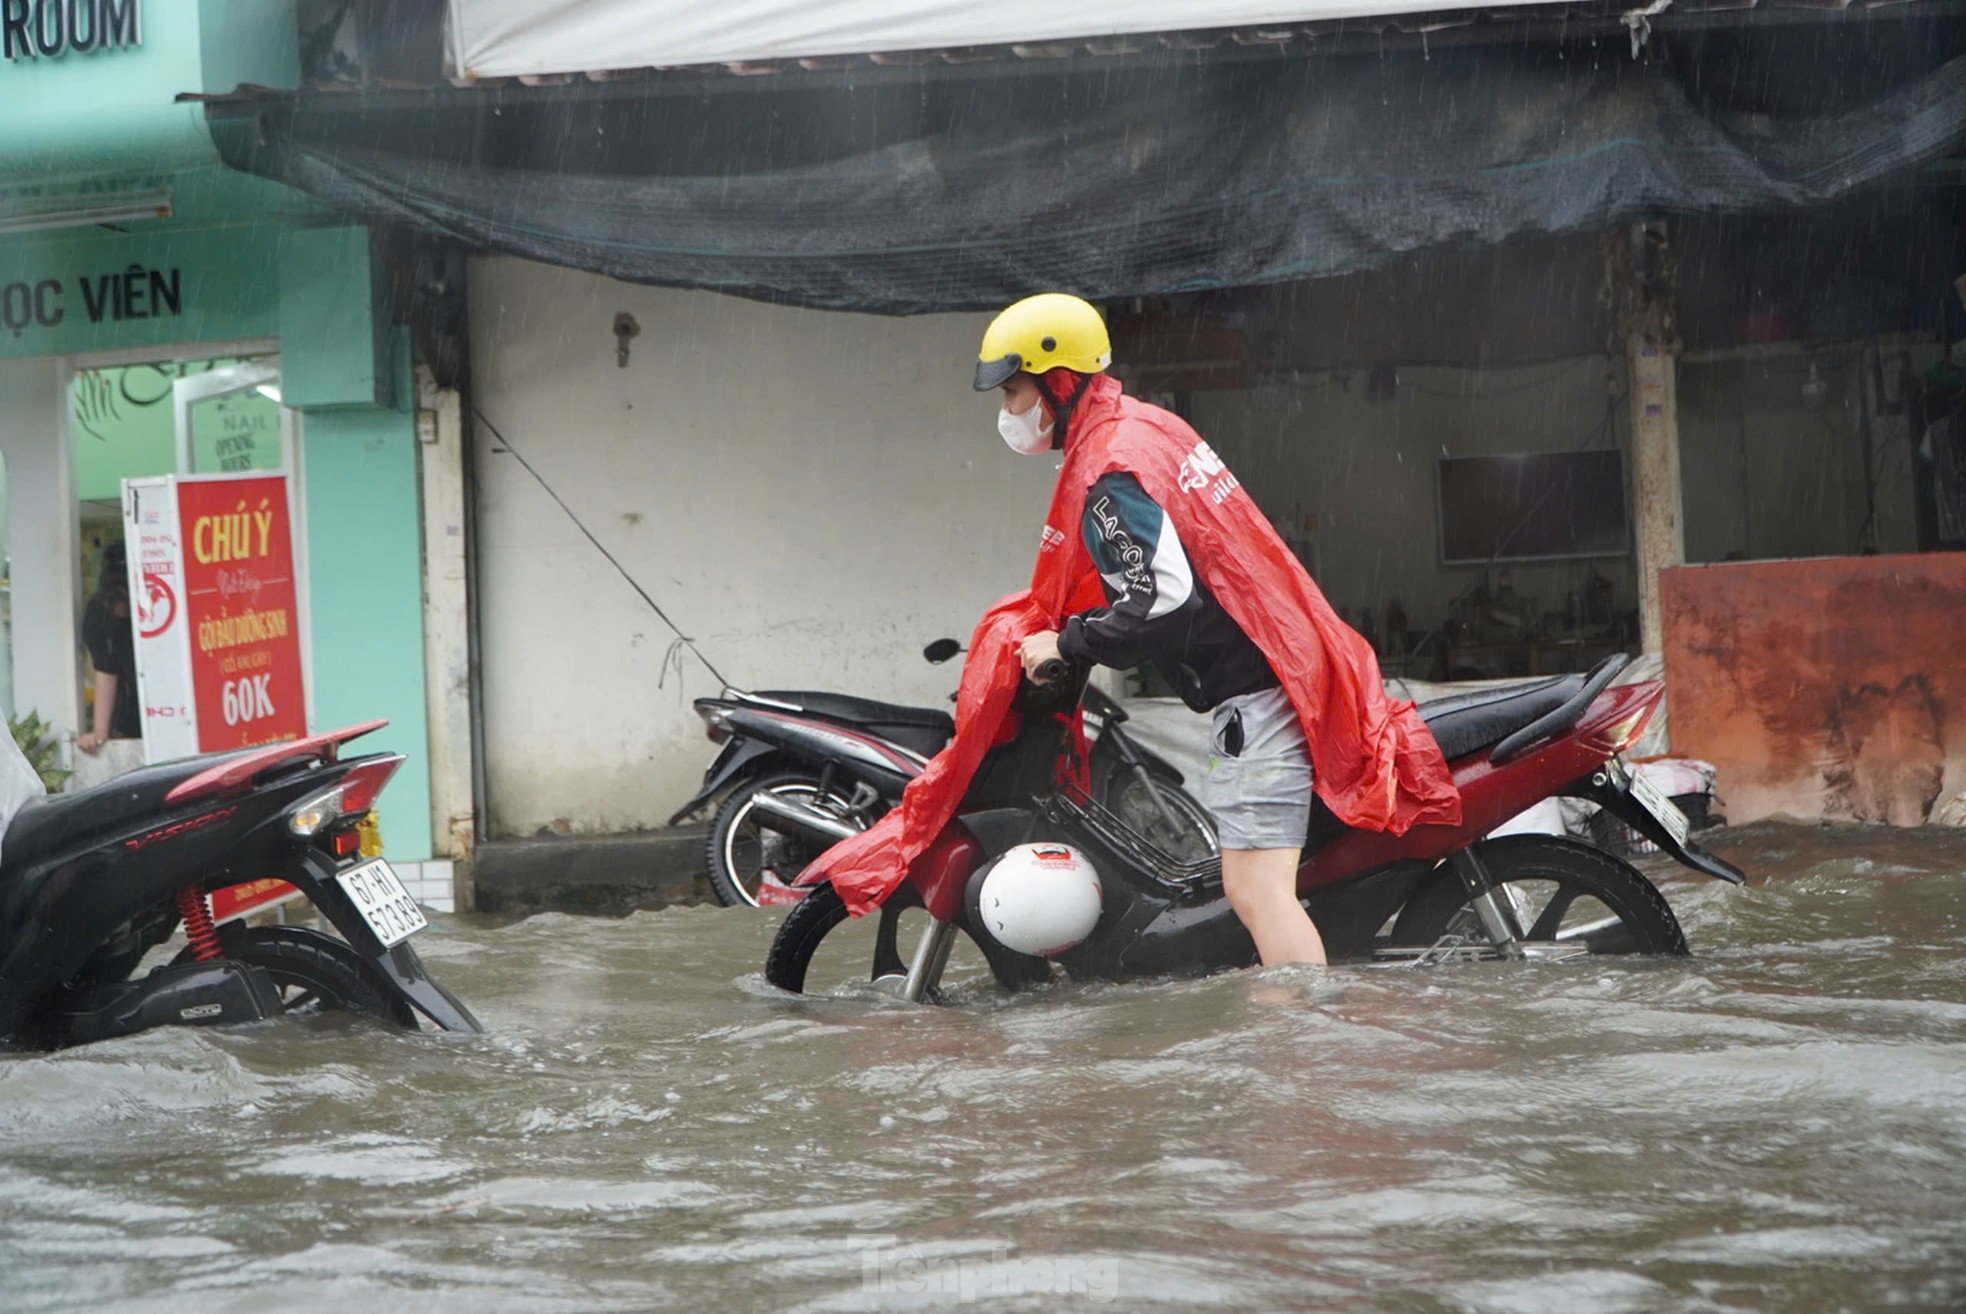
x=1158 y=611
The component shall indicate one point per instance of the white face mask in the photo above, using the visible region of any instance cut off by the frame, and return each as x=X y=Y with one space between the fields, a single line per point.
x=1025 y=434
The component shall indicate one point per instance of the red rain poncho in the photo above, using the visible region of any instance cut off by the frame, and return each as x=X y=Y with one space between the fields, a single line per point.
x=1376 y=765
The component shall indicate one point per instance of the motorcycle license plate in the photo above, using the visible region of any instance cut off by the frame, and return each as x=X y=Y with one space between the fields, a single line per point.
x=1663 y=810
x=382 y=901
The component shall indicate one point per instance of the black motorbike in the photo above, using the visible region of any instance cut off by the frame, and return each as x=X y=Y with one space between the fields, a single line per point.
x=92 y=882
x=800 y=770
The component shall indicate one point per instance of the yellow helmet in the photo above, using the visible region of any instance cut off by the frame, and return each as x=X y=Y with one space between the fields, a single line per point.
x=1042 y=333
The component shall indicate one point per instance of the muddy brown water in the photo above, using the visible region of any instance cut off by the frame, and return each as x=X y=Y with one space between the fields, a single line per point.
x=1777 y=1123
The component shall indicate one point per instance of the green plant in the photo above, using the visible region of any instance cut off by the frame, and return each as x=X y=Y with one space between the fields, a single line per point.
x=37 y=742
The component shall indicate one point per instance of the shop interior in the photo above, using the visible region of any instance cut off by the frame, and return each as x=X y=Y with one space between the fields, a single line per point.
x=1444 y=441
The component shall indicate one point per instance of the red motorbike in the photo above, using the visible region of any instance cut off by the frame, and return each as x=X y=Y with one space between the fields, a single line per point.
x=1435 y=893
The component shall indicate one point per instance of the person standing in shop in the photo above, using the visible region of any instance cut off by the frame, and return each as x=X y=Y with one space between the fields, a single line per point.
x=109 y=634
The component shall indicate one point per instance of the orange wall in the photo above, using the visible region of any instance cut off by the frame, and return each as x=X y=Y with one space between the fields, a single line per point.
x=1828 y=688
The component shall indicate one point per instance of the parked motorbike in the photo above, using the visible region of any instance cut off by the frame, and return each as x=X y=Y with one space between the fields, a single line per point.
x=91 y=882
x=1437 y=892
x=801 y=769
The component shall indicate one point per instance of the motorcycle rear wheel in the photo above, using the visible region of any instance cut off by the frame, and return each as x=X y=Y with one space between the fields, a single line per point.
x=315 y=973
x=1558 y=889
x=744 y=847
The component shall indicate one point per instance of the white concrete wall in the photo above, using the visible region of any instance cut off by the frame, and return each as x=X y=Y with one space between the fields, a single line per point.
x=811 y=496
x=40 y=541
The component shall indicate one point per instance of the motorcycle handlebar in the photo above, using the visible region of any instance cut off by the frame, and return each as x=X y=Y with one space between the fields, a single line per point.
x=1051 y=672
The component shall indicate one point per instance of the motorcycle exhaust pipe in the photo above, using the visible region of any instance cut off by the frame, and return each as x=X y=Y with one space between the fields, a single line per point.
x=804 y=820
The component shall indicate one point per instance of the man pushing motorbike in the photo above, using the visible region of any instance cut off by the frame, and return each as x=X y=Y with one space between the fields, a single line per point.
x=1198 y=583
x=1153 y=552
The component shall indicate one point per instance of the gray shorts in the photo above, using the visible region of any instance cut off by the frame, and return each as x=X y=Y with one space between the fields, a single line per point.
x=1259 y=773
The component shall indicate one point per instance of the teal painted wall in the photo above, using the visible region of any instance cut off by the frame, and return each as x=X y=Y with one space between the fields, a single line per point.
x=334 y=336
x=89 y=290
x=247 y=41
x=317 y=287
x=84 y=116
x=365 y=576
x=109 y=110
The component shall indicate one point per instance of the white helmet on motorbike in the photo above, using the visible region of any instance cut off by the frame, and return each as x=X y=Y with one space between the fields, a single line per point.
x=1040 y=899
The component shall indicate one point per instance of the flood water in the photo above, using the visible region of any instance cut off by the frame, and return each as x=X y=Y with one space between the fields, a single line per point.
x=1779 y=1122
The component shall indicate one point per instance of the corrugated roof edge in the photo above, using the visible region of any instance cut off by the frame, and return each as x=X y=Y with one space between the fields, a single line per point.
x=1420 y=25
x=1581 y=20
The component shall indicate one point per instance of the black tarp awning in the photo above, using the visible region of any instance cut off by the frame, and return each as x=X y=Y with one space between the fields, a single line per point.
x=1146 y=180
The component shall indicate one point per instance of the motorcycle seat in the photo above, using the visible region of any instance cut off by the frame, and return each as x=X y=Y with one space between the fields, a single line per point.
x=923 y=729
x=46 y=825
x=1467 y=723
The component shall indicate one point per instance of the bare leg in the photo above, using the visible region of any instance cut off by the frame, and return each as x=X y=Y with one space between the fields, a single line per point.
x=1262 y=888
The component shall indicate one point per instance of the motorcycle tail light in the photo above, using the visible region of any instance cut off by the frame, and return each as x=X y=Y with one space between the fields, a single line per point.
x=347 y=843
x=1622 y=732
x=353 y=797
x=716 y=720
x=315 y=813
x=365 y=780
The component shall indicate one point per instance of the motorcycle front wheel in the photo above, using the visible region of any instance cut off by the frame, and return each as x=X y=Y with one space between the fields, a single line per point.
x=822 y=912
x=1558 y=890
x=746 y=850
x=315 y=973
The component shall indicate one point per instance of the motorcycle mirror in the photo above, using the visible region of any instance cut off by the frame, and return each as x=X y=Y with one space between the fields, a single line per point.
x=941 y=650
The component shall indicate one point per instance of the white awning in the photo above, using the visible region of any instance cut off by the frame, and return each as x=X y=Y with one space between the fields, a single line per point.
x=524 y=38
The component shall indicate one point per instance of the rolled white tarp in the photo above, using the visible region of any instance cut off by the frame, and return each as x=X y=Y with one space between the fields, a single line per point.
x=20 y=784
x=524 y=38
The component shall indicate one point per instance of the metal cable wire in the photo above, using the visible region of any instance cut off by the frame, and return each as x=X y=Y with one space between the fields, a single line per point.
x=656 y=607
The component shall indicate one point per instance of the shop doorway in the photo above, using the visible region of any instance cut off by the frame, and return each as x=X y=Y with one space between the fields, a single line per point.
x=130 y=420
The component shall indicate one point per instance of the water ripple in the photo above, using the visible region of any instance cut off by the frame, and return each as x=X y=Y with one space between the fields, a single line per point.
x=1779 y=1122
